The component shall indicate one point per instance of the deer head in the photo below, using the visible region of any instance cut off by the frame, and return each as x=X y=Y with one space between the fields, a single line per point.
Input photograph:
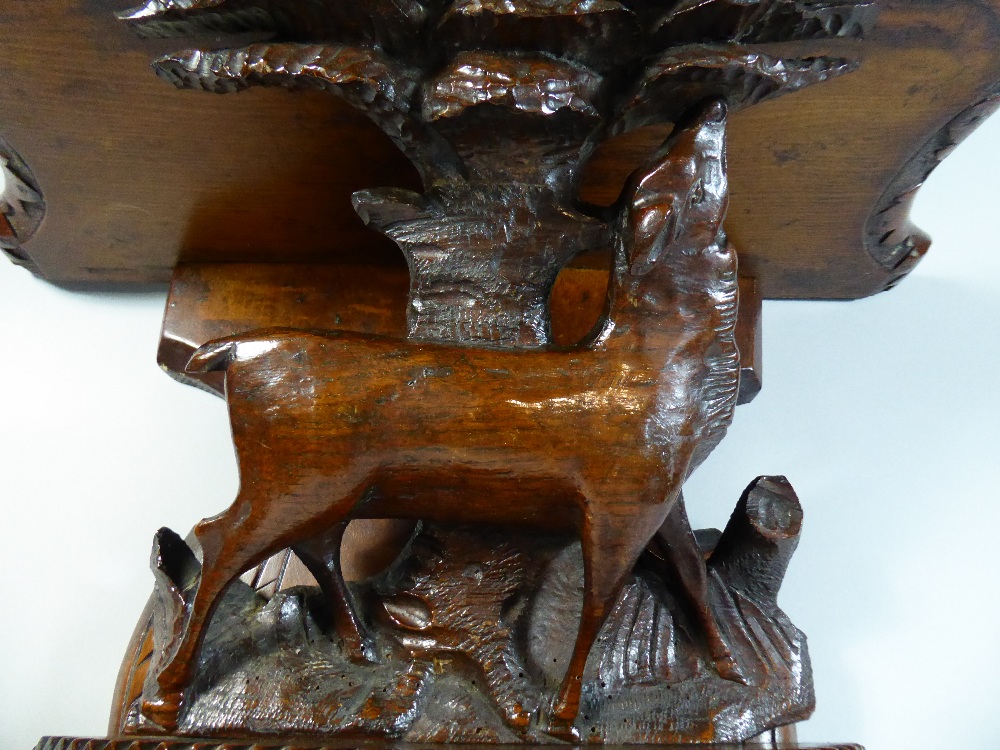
x=677 y=202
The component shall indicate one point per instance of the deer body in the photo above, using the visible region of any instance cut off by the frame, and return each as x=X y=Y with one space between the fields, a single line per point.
x=596 y=440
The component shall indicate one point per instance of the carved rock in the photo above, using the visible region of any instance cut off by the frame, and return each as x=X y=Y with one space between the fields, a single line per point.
x=269 y=666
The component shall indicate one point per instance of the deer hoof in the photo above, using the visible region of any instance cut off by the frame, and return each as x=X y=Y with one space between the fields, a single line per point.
x=518 y=718
x=163 y=711
x=563 y=730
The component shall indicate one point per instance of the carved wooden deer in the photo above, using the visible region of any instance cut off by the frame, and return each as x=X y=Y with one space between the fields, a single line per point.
x=596 y=439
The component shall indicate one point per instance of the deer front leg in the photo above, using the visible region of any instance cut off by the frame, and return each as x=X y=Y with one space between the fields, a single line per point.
x=321 y=555
x=614 y=534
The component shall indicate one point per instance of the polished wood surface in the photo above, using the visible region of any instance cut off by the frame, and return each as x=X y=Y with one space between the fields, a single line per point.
x=136 y=175
x=450 y=418
x=333 y=426
x=158 y=743
x=214 y=300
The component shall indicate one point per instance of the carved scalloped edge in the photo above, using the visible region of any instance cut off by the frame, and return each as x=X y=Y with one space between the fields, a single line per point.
x=21 y=206
x=159 y=743
x=891 y=239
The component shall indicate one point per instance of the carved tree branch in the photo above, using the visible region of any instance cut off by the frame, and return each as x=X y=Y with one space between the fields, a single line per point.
x=741 y=77
x=368 y=79
x=394 y=26
x=761 y=21
x=757 y=544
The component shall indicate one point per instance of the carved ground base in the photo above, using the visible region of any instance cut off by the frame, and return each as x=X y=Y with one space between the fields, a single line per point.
x=158 y=743
x=473 y=631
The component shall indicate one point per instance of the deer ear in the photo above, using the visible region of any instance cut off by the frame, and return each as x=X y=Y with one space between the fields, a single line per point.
x=215 y=355
x=650 y=228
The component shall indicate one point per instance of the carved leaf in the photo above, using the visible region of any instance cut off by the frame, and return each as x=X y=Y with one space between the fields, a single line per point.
x=598 y=33
x=360 y=74
x=760 y=21
x=367 y=78
x=532 y=84
x=683 y=77
x=394 y=25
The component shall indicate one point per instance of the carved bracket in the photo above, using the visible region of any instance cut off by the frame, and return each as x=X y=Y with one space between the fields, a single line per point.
x=479 y=416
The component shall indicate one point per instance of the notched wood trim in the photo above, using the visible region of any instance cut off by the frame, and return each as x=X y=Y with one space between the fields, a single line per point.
x=892 y=240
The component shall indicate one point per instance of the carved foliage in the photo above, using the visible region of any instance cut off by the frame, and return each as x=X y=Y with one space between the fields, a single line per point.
x=500 y=140
x=498 y=105
x=741 y=76
x=394 y=26
x=760 y=21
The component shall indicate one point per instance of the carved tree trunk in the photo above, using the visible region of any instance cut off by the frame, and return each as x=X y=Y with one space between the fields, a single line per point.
x=759 y=541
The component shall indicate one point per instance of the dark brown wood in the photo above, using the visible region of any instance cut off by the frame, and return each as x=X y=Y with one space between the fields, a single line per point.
x=543 y=581
x=539 y=438
x=137 y=176
x=158 y=743
x=452 y=425
x=214 y=300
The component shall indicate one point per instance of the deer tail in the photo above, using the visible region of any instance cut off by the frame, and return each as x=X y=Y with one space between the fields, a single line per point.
x=213 y=356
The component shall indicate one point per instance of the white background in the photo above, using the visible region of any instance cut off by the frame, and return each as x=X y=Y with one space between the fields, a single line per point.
x=883 y=413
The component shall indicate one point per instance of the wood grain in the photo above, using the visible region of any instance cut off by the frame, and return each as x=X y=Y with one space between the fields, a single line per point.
x=213 y=300
x=158 y=743
x=353 y=426
x=138 y=176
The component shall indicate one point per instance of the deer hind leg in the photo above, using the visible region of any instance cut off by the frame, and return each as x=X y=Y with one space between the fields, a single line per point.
x=321 y=555
x=219 y=568
x=613 y=537
x=248 y=532
x=685 y=566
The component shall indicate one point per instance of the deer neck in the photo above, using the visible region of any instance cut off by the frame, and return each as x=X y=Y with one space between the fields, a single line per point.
x=665 y=308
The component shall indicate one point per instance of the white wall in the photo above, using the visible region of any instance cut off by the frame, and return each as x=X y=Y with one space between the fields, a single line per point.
x=883 y=413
